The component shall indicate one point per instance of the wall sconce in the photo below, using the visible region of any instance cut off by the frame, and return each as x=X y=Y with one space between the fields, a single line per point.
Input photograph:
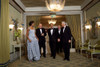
x=87 y=27
x=20 y=28
x=98 y=23
x=11 y=26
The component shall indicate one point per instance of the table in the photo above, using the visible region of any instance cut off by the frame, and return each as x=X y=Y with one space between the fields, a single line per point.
x=17 y=46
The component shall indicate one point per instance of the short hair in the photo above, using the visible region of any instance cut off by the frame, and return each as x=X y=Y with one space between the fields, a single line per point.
x=31 y=22
x=40 y=23
x=63 y=22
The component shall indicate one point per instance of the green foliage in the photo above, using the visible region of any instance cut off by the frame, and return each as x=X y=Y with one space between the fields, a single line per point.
x=18 y=33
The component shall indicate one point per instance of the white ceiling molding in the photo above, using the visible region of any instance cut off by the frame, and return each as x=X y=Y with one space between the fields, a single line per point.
x=20 y=4
x=85 y=3
x=69 y=12
x=36 y=9
x=12 y=3
x=58 y=13
x=45 y=9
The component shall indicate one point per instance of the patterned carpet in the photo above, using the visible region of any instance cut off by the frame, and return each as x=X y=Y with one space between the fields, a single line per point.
x=77 y=60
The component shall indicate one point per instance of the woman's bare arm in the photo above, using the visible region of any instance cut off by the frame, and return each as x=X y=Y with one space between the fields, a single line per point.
x=36 y=37
x=27 y=33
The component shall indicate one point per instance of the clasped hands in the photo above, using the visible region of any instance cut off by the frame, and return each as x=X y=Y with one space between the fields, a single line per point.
x=42 y=34
x=68 y=40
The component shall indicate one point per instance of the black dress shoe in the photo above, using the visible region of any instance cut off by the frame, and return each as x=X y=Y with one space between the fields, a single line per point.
x=51 y=56
x=33 y=60
x=44 y=56
x=64 y=59
x=68 y=59
x=54 y=58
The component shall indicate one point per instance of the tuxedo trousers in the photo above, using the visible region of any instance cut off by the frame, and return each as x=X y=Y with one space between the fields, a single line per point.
x=59 y=47
x=42 y=45
x=66 y=48
x=53 y=48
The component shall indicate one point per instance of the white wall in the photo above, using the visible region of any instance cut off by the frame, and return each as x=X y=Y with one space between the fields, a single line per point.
x=13 y=13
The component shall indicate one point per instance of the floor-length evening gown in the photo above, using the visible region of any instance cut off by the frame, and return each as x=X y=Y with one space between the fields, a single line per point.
x=33 y=47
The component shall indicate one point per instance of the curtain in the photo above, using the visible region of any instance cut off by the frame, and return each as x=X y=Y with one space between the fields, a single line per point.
x=36 y=19
x=4 y=33
x=75 y=26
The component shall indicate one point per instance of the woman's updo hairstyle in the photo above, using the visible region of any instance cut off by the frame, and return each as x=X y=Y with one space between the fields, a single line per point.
x=31 y=22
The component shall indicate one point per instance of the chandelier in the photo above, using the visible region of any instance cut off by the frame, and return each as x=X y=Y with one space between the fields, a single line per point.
x=55 y=5
x=52 y=21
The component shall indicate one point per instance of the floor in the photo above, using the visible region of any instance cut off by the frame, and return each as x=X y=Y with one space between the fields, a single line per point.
x=77 y=60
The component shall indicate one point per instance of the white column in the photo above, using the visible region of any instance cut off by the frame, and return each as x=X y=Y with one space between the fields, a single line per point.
x=85 y=16
x=86 y=33
x=24 y=30
x=82 y=29
x=22 y=22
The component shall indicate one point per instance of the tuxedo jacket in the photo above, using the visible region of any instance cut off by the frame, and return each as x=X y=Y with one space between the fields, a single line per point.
x=58 y=34
x=38 y=33
x=52 y=37
x=66 y=34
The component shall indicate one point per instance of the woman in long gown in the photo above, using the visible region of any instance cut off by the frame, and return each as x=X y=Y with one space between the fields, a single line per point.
x=32 y=43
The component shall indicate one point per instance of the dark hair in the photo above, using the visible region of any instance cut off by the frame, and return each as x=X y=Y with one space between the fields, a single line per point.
x=31 y=22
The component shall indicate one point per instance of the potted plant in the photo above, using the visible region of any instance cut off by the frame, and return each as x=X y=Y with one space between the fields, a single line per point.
x=18 y=35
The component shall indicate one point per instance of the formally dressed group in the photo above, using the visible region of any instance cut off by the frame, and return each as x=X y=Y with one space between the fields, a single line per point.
x=59 y=41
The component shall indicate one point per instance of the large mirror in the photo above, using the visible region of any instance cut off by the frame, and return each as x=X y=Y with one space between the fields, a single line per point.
x=94 y=29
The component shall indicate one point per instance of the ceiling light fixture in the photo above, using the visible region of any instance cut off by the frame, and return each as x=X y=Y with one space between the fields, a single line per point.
x=52 y=21
x=55 y=5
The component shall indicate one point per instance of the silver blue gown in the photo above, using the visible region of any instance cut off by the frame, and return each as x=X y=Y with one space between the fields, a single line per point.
x=33 y=47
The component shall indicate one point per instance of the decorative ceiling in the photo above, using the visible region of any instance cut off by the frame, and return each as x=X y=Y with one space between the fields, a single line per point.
x=41 y=3
x=44 y=20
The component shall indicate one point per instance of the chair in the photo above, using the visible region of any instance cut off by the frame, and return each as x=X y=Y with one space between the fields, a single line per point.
x=95 y=49
x=84 y=46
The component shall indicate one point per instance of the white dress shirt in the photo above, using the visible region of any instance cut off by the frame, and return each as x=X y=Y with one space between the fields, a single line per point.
x=59 y=31
x=64 y=29
x=51 y=31
x=41 y=31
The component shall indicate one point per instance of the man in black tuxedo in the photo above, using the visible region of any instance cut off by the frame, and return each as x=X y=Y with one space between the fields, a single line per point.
x=59 y=45
x=66 y=40
x=40 y=32
x=52 y=40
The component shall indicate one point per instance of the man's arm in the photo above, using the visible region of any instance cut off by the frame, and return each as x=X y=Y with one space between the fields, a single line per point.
x=69 y=34
x=49 y=32
x=37 y=33
x=44 y=32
